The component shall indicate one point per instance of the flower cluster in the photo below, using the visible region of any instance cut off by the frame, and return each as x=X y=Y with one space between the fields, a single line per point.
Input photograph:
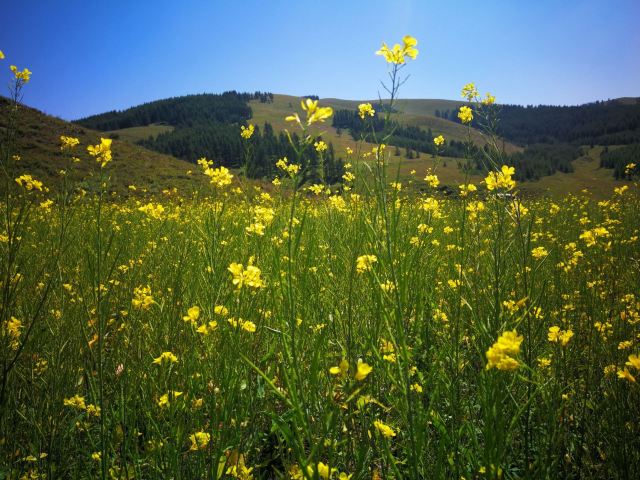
x=315 y=113
x=501 y=354
x=101 y=151
x=397 y=53
x=502 y=179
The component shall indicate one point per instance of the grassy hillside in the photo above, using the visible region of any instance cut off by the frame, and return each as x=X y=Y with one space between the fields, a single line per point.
x=410 y=112
x=135 y=134
x=37 y=142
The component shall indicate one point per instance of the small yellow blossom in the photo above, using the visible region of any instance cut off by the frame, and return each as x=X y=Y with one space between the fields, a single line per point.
x=251 y=276
x=165 y=357
x=365 y=109
x=397 y=53
x=247 y=132
x=22 y=76
x=75 y=402
x=192 y=314
x=363 y=369
x=364 y=263
x=67 y=143
x=101 y=151
x=199 y=441
x=384 y=429
x=501 y=353
x=465 y=114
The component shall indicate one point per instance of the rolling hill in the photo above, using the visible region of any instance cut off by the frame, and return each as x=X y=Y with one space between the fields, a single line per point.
x=38 y=141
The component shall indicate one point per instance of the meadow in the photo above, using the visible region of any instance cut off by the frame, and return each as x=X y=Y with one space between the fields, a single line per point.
x=372 y=329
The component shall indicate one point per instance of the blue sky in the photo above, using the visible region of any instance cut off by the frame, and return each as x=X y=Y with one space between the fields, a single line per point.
x=91 y=56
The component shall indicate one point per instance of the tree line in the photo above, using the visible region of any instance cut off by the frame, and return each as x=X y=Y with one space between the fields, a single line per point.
x=614 y=122
x=208 y=125
x=618 y=159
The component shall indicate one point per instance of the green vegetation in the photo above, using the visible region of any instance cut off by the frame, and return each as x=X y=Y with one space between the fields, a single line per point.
x=620 y=158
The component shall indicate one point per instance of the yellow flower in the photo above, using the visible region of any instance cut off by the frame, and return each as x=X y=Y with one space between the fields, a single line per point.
x=315 y=113
x=469 y=91
x=365 y=109
x=29 y=183
x=502 y=179
x=46 y=205
x=559 y=336
x=341 y=369
x=154 y=211
x=13 y=329
x=101 y=152
x=192 y=314
x=251 y=276
x=416 y=387
x=467 y=189
x=432 y=180
x=142 y=298
x=165 y=357
x=246 y=325
x=362 y=371
x=365 y=263
x=96 y=456
x=634 y=361
x=75 y=402
x=630 y=167
x=247 y=132
x=316 y=188
x=22 y=76
x=291 y=169
x=539 y=252
x=221 y=310
x=501 y=353
x=320 y=146
x=240 y=470
x=439 y=140
x=67 y=143
x=199 y=441
x=397 y=53
x=220 y=177
x=625 y=374
x=489 y=99
x=163 y=401
x=465 y=114
x=1 y=55
x=384 y=429
x=324 y=471
x=544 y=362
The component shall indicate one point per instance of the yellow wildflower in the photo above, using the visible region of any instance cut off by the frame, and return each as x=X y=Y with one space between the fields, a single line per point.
x=67 y=143
x=101 y=151
x=365 y=263
x=192 y=314
x=465 y=114
x=501 y=353
x=165 y=357
x=365 y=109
x=247 y=132
x=397 y=53
x=251 y=276
x=75 y=402
x=362 y=371
x=199 y=441
x=22 y=76
x=384 y=429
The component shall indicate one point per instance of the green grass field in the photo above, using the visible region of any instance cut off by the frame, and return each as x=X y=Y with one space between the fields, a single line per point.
x=370 y=333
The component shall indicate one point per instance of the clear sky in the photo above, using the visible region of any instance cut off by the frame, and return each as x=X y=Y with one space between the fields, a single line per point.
x=89 y=56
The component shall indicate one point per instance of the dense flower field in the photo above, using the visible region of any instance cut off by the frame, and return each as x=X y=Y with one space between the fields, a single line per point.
x=367 y=330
